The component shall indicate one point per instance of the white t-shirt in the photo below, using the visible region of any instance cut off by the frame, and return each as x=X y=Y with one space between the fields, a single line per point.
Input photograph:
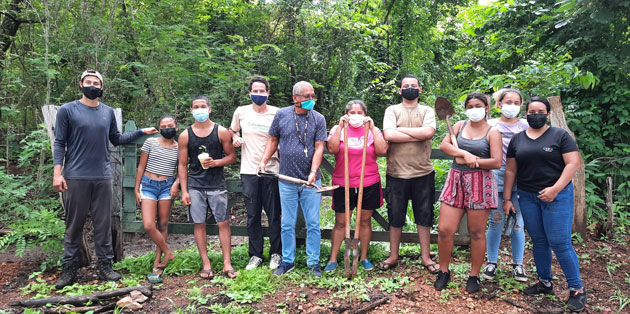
x=254 y=128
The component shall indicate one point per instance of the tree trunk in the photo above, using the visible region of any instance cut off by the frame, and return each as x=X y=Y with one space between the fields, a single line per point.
x=579 y=198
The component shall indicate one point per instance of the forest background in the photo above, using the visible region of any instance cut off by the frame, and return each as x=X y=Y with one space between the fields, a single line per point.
x=156 y=55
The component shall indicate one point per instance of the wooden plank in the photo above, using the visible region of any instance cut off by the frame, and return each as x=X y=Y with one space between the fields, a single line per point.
x=115 y=161
x=211 y=229
x=579 y=180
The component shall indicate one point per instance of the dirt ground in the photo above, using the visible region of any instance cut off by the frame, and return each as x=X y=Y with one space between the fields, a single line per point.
x=606 y=291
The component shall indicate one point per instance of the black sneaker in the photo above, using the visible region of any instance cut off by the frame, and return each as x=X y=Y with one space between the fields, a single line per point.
x=539 y=288
x=473 y=284
x=315 y=271
x=490 y=271
x=443 y=278
x=105 y=271
x=68 y=276
x=576 y=301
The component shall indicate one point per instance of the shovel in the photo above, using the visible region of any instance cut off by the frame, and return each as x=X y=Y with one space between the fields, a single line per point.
x=318 y=189
x=347 y=240
x=355 y=241
x=444 y=111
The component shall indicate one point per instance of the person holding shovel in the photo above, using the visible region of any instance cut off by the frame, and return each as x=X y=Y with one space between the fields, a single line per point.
x=355 y=117
x=470 y=187
x=298 y=133
x=409 y=127
x=509 y=101
x=205 y=148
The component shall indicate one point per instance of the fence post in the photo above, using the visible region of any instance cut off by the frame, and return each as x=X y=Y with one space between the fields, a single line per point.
x=129 y=181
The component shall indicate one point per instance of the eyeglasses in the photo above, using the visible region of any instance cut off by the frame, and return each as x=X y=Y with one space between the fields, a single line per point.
x=312 y=96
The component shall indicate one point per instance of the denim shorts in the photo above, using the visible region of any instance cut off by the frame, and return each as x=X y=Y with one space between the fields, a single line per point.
x=156 y=190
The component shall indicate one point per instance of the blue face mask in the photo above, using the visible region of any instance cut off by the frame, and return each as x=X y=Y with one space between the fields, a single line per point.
x=201 y=114
x=258 y=99
x=308 y=104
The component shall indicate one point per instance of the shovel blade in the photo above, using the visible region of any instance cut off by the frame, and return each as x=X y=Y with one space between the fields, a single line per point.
x=346 y=257
x=355 y=256
x=443 y=108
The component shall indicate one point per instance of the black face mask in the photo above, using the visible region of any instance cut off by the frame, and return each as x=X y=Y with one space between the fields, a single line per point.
x=536 y=121
x=91 y=92
x=410 y=93
x=168 y=133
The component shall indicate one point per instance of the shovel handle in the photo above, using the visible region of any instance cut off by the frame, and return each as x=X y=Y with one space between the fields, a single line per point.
x=451 y=132
x=346 y=177
x=361 y=180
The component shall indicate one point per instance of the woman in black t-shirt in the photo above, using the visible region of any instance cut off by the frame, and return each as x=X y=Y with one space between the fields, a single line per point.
x=544 y=159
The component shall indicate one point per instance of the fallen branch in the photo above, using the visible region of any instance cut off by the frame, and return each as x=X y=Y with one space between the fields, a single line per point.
x=5 y=231
x=369 y=306
x=84 y=309
x=80 y=300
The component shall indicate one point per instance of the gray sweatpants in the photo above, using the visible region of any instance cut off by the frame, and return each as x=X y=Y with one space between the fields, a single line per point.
x=83 y=197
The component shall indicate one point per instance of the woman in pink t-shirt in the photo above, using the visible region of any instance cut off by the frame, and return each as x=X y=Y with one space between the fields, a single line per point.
x=372 y=193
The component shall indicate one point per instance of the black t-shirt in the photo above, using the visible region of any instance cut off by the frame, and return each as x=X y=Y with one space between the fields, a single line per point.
x=539 y=161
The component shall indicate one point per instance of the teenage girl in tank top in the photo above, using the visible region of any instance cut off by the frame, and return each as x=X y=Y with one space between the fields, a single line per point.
x=156 y=187
x=470 y=187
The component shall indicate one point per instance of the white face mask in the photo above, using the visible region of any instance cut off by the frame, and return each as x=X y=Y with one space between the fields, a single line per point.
x=476 y=114
x=510 y=111
x=356 y=120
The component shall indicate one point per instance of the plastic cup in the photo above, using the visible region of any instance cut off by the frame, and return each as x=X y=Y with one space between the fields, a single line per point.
x=202 y=157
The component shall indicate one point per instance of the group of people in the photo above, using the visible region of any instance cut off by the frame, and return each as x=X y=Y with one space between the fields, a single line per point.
x=490 y=157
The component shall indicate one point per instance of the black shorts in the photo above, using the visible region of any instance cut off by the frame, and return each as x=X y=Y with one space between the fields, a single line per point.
x=420 y=190
x=372 y=198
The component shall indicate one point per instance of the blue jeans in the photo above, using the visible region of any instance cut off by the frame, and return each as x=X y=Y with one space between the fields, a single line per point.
x=495 y=229
x=549 y=226
x=290 y=195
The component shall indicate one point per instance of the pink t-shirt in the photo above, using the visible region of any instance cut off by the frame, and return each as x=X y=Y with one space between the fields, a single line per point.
x=355 y=153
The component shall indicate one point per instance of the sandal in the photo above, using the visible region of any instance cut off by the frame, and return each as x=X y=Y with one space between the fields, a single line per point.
x=208 y=274
x=156 y=275
x=385 y=265
x=432 y=266
x=230 y=273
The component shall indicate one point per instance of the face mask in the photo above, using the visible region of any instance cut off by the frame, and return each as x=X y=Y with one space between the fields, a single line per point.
x=258 y=99
x=356 y=120
x=510 y=111
x=168 y=133
x=476 y=114
x=201 y=114
x=91 y=92
x=536 y=121
x=410 y=93
x=308 y=104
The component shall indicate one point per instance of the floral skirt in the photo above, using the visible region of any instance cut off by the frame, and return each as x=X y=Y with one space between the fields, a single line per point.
x=476 y=189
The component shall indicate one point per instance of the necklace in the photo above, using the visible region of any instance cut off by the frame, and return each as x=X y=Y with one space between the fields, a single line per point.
x=297 y=128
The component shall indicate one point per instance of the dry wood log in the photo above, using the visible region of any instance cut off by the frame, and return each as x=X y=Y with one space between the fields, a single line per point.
x=5 y=231
x=610 y=222
x=83 y=309
x=79 y=300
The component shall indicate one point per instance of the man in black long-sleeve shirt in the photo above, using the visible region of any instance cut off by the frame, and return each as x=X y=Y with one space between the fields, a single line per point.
x=82 y=132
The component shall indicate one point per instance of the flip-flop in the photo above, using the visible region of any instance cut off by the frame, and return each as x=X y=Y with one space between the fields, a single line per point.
x=230 y=273
x=208 y=274
x=384 y=265
x=432 y=265
x=156 y=275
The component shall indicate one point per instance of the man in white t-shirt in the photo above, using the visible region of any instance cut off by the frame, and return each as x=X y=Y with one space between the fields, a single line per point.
x=253 y=121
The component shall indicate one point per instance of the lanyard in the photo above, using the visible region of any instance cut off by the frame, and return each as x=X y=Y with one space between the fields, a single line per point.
x=297 y=128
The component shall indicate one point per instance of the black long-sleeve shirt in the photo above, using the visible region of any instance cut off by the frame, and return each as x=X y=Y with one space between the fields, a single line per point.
x=81 y=140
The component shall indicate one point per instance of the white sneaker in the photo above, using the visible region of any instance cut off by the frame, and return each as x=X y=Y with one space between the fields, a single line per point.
x=275 y=261
x=519 y=273
x=254 y=262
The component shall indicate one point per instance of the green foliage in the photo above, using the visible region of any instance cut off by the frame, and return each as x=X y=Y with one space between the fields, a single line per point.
x=250 y=285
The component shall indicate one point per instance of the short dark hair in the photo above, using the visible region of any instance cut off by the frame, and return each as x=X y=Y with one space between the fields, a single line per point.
x=409 y=76
x=506 y=91
x=539 y=99
x=356 y=102
x=477 y=95
x=167 y=116
x=258 y=79
x=203 y=97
